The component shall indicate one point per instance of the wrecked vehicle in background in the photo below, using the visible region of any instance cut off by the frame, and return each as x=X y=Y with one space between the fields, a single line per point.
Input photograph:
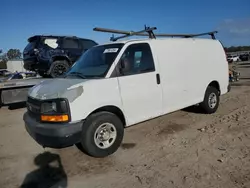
x=52 y=56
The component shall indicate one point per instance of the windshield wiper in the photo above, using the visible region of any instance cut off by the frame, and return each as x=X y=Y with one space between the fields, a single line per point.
x=77 y=74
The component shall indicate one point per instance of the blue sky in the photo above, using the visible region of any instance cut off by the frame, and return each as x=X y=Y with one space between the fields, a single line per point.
x=22 y=18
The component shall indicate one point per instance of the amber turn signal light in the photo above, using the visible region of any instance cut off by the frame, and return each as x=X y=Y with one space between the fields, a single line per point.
x=55 y=118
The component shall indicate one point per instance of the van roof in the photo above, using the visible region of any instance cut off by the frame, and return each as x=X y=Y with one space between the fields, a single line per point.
x=149 y=40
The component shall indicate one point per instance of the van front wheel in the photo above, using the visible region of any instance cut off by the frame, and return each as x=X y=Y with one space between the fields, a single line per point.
x=102 y=134
x=211 y=100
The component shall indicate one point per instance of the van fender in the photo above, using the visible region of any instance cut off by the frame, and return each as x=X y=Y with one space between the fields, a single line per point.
x=215 y=84
x=112 y=109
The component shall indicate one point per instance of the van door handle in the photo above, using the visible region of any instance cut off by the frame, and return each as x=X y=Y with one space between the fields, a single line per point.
x=158 y=79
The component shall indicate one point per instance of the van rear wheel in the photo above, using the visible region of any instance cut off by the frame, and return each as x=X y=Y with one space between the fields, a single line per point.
x=211 y=100
x=102 y=134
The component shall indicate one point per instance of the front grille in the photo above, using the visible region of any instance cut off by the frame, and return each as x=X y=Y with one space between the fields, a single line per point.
x=34 y=107
x=34 y=101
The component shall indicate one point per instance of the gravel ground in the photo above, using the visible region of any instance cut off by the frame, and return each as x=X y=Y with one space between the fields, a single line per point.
x=182 y=149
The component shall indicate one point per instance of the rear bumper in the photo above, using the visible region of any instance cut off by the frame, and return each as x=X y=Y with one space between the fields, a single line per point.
x=35 y=63
x=53 y=135
x=29 y=63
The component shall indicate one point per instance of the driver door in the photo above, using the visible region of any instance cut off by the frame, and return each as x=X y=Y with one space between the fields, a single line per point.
x=139 y=84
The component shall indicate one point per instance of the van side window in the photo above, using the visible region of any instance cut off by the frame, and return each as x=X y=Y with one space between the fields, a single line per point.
x=137 y=59
x=138 y=56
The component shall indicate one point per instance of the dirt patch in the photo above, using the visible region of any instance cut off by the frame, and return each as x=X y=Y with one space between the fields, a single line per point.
x=171 y=129
x=128 y=145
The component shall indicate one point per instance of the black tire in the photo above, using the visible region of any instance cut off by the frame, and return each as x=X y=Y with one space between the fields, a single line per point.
x=58 y=68
x=88 y=133
x=205 y=105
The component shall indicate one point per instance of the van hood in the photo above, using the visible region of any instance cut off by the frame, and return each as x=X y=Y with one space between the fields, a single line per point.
x=58 y=88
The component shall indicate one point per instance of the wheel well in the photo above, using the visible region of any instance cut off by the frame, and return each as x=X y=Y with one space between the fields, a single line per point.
x=215 y=84
x=113 y=109
x=60 y=58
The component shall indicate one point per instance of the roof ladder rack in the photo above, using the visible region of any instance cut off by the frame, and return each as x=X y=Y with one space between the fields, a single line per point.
x=212 y=34
x=149 y=30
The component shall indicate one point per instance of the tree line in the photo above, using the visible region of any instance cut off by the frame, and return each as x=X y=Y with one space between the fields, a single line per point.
x=11 y=54
x=237 y=48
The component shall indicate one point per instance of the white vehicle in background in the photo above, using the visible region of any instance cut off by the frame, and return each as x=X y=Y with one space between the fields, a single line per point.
x=122 y=83
x=234 y=58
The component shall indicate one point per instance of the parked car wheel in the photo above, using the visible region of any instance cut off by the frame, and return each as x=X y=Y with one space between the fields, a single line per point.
x=211 y=100
x=58 y=68
x=102 y=134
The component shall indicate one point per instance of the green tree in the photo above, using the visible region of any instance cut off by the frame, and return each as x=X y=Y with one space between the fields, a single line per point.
x=3 y=60
x=14 y=54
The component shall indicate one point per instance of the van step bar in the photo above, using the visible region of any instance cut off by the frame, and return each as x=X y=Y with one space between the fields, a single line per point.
x=148 y=31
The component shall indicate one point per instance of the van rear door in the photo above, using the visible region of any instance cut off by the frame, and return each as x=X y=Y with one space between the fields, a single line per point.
x=139 y=83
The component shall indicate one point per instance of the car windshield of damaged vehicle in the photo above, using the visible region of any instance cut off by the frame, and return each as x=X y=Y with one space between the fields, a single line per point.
x=95 y=62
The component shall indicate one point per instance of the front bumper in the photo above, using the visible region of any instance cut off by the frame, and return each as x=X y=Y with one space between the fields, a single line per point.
x=53 y=135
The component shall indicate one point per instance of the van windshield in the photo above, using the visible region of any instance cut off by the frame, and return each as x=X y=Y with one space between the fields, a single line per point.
x=95 y=62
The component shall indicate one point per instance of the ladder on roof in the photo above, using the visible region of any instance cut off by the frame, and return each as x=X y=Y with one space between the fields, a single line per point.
x=148 y=31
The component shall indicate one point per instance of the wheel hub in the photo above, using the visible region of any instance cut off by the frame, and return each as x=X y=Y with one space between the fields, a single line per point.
x=59 y=70
x=212 y=100
x=105 y=135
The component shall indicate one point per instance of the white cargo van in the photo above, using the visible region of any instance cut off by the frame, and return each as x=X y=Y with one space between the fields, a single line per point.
x=122 y=83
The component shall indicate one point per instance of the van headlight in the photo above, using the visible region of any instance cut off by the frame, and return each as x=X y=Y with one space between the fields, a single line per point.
x=49 y=107
x=55 y=111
